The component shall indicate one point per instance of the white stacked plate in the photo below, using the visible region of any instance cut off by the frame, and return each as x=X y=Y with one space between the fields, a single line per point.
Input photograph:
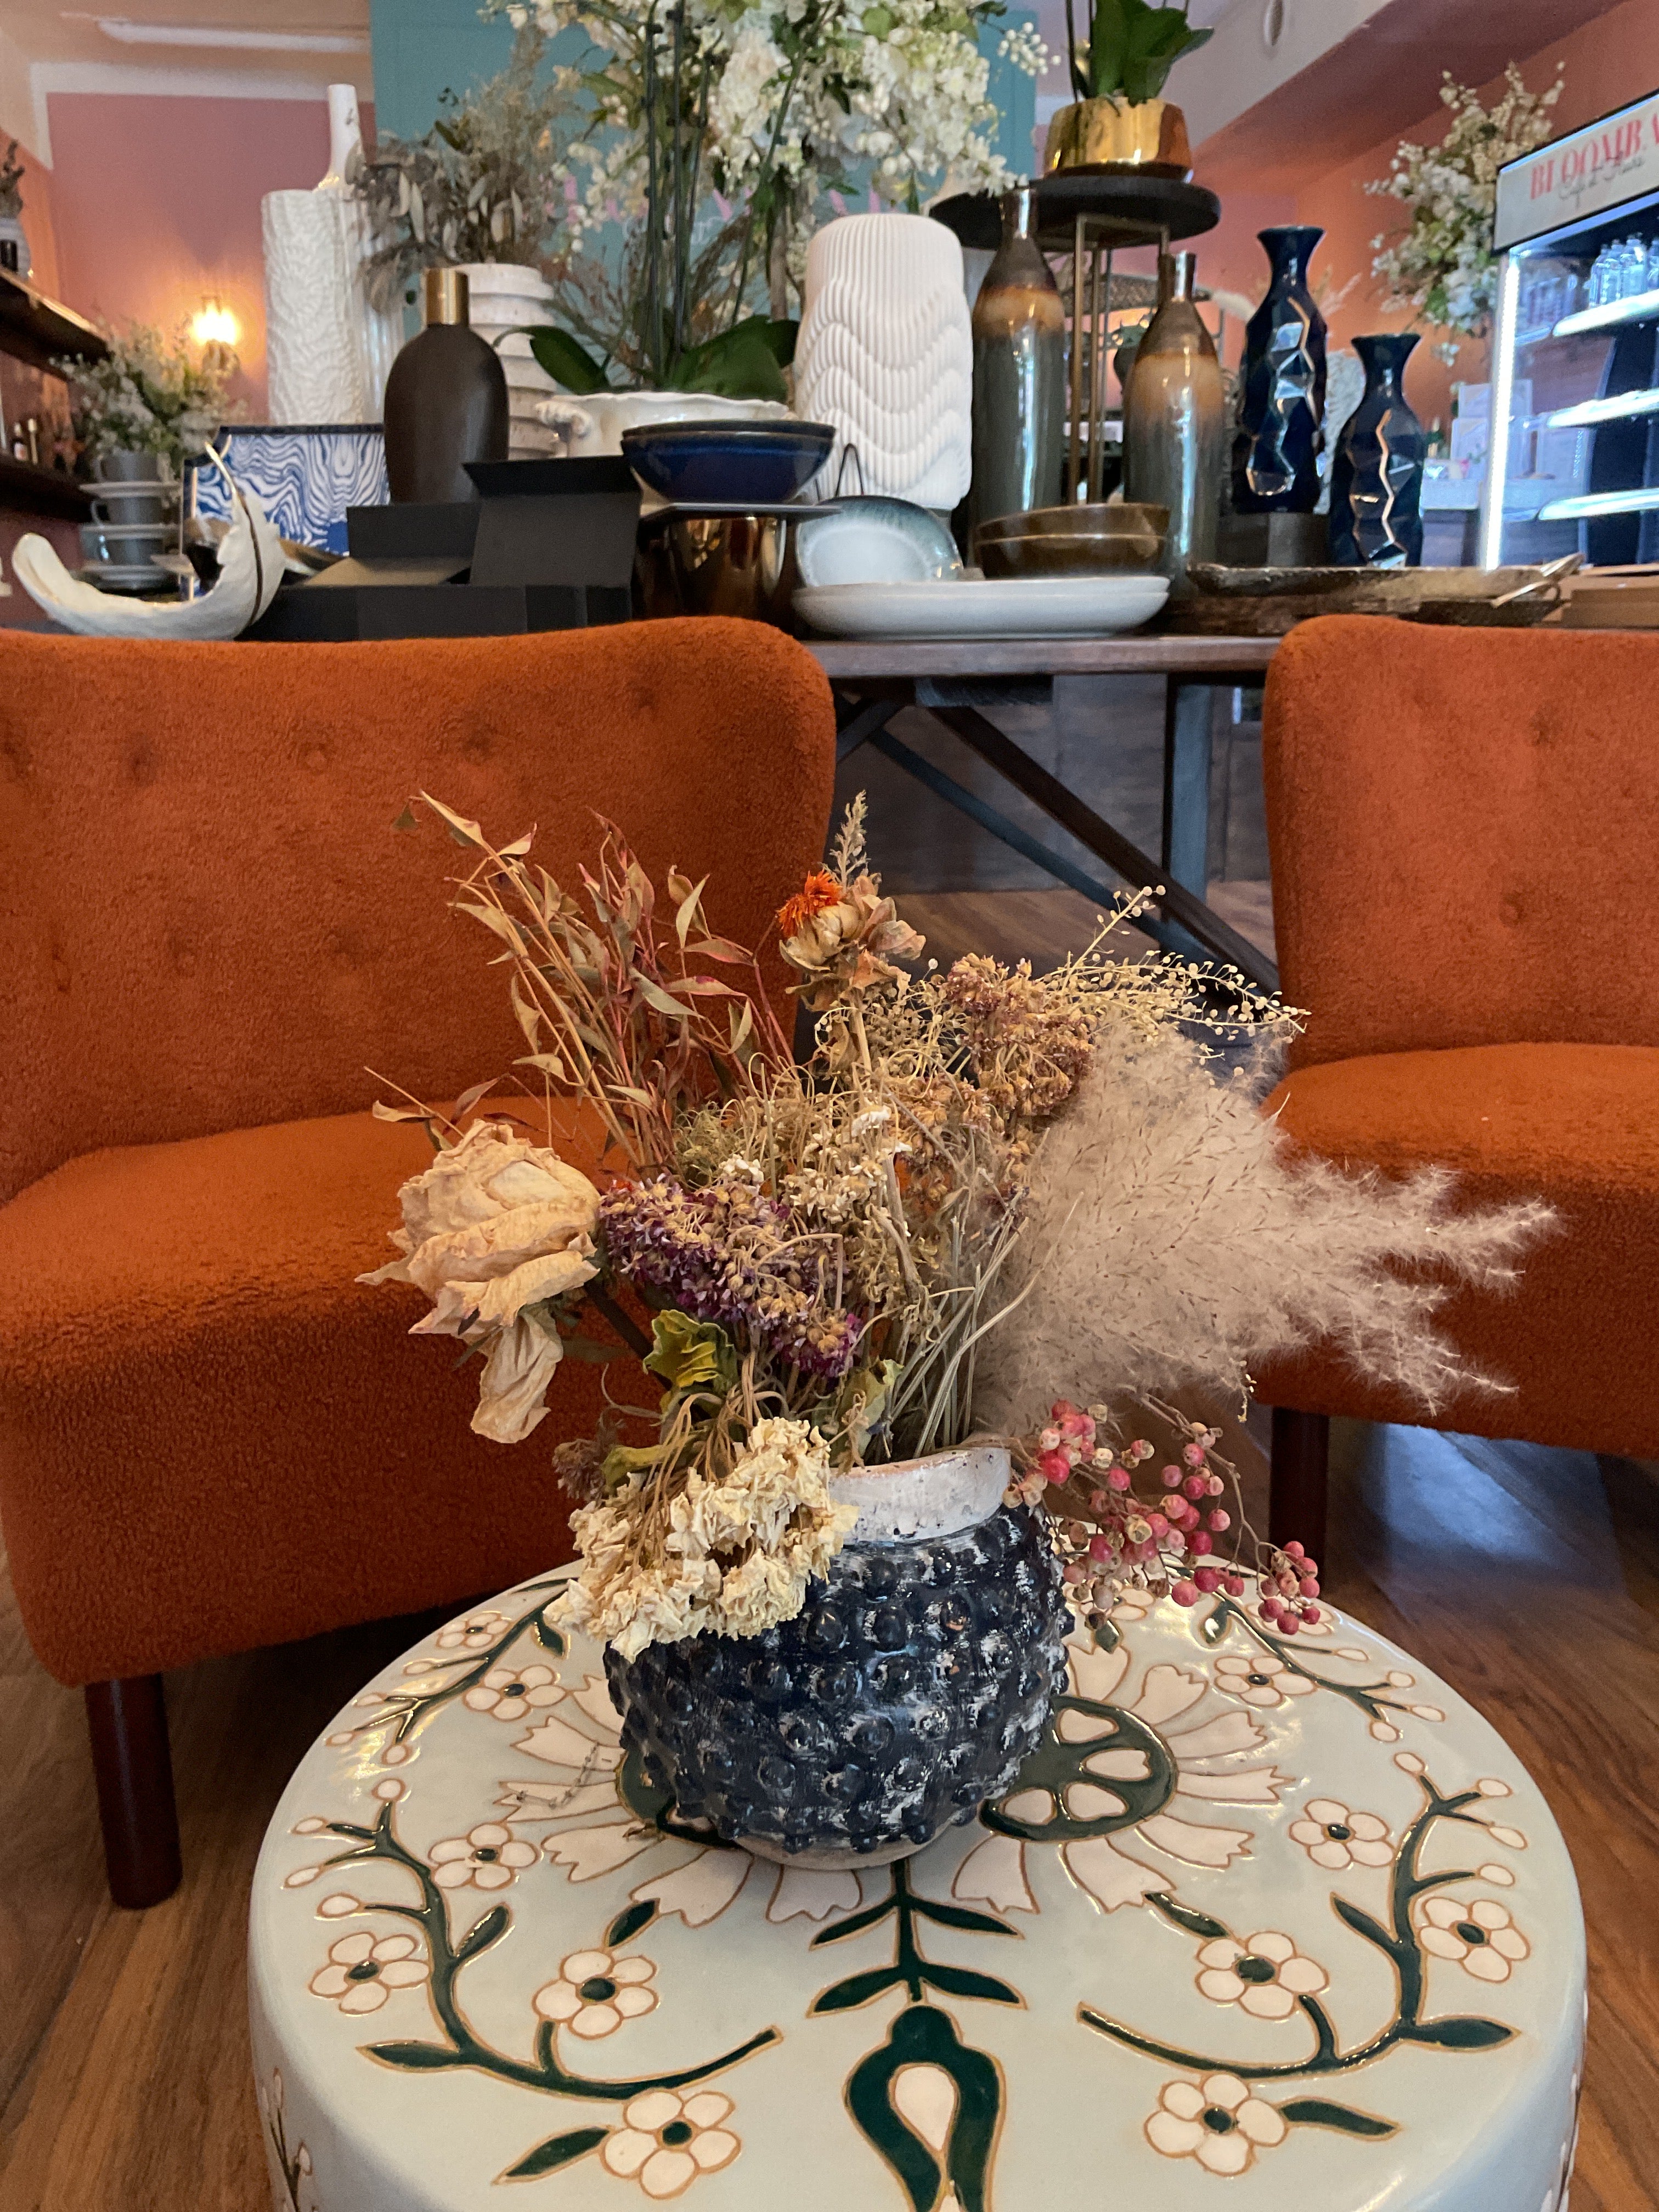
x=1034 y=606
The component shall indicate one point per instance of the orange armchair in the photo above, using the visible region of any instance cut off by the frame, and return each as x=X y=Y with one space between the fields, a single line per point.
x=211 y=1437
x=1462 y=825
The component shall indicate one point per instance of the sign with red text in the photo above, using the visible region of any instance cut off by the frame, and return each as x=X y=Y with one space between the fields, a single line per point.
x=1596 y=168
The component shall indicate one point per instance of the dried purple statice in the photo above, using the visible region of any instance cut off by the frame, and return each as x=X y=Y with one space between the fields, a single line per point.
x=727 y=1254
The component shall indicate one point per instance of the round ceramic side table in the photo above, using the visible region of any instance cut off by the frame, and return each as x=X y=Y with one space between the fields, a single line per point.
x=1263 y=1922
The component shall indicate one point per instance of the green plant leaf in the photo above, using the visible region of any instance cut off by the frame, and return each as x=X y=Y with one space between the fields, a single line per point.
x=739 y=364
x=1461 y=2032
x=565 y=360
x=1362 y=1924
x=417 y=2057
x=857 y=1990
x=1195 y=1923
x=628 y=1924
x=556 y=2151
x=964 y=1982
x=482 y=1933
x=690 y=1354
x=1318 y=2112
x=1109 y=42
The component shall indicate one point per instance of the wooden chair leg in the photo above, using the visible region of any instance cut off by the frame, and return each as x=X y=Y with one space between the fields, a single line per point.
x=133 y=1768
x=1301 y=1466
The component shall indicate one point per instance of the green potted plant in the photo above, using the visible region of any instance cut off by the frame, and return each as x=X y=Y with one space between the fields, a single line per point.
x=1121 y=119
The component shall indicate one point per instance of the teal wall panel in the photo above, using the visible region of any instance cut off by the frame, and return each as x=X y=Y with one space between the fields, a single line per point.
x=1014 y=94
x=422 y=48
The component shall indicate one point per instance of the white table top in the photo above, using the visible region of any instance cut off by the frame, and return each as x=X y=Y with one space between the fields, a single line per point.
x=1263 y=1925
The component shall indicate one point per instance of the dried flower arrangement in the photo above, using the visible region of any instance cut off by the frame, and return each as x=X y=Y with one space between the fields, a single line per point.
x=985 y=1187
x=11 y=183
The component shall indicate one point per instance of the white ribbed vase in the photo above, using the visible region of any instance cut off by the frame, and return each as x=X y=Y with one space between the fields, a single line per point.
x=886 y=354
x=503 y=296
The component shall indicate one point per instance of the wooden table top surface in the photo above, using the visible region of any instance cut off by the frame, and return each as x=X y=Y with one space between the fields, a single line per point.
x=850 y=659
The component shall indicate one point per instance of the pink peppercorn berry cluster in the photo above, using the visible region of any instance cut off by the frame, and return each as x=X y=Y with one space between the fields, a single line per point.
x=1169 y=1546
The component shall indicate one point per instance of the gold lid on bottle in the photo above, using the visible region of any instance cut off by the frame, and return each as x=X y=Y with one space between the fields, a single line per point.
x=445 y=295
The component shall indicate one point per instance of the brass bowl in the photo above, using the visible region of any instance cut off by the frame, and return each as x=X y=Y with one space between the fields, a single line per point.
x=1056 y=553
x=1122 y=535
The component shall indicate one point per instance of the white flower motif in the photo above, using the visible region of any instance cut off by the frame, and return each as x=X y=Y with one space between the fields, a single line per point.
x=583 y=1787
x=1217 y=2121
x=1480 y=1936
x=1264 y=1977
x=596 y=1992
x=361 y=1973
x=1260 y=1677
x=666 y=2140
x=1334 y=1836
x=1204 y=1748
x=489 y=1856
x=476 y=1632
x=507 y=1693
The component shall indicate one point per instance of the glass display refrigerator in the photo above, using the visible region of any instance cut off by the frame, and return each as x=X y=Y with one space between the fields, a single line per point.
x=1573 y=465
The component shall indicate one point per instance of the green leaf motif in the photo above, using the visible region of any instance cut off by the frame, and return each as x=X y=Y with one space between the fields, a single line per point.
x=857 y=1990
x=556 y=2151
x=923 y=2036
x=1319 y=2112
x=964 y=1982
x=1362 y=1924
x=854 y=1924
x=549 y=1636
x=1195 y=1923
x=1464 y=2033
x=628 y=1924
x=957 y=1916
x=482 y=1933
x=418 y=2058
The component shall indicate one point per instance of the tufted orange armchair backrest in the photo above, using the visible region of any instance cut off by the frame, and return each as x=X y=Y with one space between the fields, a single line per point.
x=208 y=922
x=1463 y=825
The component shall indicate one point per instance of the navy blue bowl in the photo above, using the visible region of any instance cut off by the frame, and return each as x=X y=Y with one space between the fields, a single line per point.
x=761 y=461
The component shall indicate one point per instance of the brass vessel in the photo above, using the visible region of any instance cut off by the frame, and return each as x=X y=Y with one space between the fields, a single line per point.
x=1108 y=134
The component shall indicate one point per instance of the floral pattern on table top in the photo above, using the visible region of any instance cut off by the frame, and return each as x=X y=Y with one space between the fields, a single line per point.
x=1151 y=1776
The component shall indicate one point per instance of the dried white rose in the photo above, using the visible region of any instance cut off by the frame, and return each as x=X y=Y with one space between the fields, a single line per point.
x=493 y=1226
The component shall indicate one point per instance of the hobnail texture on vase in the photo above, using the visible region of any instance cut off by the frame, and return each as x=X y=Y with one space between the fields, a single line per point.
x=886 y=354
x=910 y=1690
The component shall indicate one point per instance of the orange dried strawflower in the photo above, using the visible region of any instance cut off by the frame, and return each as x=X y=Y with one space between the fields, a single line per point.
x=818 y=891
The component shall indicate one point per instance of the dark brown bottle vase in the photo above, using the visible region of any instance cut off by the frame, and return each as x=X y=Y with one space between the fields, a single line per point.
x=445 y=401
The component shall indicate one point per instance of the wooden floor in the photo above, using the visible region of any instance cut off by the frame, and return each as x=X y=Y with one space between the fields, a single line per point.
x=1529 y=1578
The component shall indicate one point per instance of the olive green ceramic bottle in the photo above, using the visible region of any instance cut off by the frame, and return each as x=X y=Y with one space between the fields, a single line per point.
x=1175 y=423
x=1019 y=374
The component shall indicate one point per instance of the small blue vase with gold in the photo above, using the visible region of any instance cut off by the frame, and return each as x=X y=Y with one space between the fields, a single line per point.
x=1377 y=477
x=1281 y=406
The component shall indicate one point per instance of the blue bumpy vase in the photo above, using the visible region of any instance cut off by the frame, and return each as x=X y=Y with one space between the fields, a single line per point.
x=1282 y=381
x=1376 y=479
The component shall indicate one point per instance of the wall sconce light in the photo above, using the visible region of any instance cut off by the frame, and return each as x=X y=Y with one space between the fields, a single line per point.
x=213 y=325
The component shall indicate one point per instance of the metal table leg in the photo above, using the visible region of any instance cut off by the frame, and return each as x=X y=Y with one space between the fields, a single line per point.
x=1187 y=720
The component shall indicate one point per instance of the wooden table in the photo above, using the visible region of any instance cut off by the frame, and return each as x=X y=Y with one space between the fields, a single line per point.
x=956 y=680
x=1262 y=1924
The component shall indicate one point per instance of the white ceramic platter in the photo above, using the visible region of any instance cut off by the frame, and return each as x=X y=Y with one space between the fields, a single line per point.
x=1047 y=606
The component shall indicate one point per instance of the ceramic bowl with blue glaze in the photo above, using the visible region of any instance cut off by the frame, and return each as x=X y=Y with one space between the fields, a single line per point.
x=765 y=462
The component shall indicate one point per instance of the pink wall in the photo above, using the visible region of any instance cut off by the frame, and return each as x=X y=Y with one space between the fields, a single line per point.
x=155 y=203
x=1608 y=63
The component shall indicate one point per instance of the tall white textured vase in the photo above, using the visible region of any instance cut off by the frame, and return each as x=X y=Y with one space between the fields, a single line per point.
x=886 y=354
x=328 y=351
x=502 y=298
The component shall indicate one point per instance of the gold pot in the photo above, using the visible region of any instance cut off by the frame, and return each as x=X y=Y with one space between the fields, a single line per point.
x=1109 y=134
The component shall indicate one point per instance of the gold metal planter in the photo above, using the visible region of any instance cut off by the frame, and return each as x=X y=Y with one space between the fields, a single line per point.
x=1110 y=134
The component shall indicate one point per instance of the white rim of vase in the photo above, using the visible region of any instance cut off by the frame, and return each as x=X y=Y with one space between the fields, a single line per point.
x=912 y=1500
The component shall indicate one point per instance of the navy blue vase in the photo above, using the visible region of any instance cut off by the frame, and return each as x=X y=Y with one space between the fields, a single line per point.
x=1282 y=381
x=910 y=1690
x=1377 y=478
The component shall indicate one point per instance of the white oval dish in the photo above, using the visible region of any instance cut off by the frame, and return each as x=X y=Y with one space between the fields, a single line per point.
x=1045 y=606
